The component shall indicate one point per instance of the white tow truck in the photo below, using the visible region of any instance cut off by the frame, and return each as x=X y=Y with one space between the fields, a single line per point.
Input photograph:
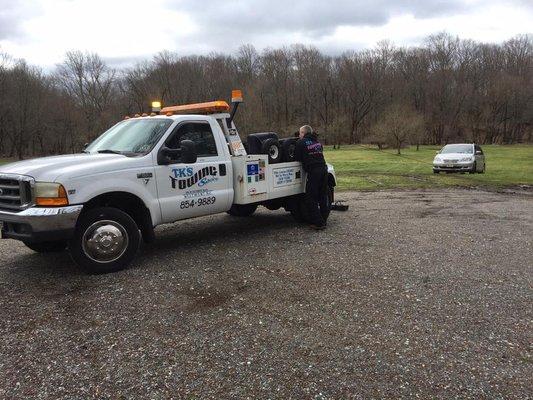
x=177 y=163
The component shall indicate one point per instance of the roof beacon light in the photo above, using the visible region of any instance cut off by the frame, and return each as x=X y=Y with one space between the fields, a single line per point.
x=236 y=96
x=236 y=99
x=212 y=107
x=156 y=106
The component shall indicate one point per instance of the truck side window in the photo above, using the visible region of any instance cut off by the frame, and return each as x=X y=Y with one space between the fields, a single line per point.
x=200 y=133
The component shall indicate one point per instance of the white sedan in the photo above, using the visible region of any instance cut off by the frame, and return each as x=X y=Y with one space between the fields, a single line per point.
x=459 y=158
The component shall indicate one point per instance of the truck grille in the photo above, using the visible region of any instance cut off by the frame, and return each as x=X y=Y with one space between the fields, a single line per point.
x=15 y=193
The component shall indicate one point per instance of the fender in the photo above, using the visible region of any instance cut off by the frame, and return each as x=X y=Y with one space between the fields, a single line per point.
x=82 y=190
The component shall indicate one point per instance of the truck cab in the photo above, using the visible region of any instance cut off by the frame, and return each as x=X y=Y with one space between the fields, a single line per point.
x=181 y=162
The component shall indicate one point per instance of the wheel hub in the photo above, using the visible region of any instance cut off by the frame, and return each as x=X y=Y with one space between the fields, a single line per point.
x=105 y=241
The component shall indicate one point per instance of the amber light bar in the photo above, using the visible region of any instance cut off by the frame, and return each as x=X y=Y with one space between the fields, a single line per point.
x=210 y=107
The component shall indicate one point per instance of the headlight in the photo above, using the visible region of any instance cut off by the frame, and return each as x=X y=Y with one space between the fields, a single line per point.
x=50 y=194
x=466 y=159
x=436 y=160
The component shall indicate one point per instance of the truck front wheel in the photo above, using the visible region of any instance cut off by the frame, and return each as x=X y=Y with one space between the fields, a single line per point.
x=47 y=247
x=106 y=240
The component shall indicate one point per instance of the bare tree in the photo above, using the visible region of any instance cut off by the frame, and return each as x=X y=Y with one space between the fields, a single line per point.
x=398 y=126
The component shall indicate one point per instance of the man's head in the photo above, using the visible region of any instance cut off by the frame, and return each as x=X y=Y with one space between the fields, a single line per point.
x=304 y=130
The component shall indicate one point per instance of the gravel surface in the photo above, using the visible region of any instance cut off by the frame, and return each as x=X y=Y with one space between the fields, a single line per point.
x=417 y=294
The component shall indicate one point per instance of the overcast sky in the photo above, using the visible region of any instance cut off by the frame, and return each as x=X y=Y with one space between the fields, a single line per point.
x=125 y=31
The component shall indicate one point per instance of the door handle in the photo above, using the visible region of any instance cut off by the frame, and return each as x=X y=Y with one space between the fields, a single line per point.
x=222 y=169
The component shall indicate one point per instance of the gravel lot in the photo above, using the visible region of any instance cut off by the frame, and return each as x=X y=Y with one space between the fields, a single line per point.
x=418 y=294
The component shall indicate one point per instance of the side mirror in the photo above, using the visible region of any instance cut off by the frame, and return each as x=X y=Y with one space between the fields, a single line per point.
x=478 y=152
x=437 y=152
x=186 y=153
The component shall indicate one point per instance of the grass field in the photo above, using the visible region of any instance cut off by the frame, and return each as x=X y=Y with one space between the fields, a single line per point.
x=366 y=168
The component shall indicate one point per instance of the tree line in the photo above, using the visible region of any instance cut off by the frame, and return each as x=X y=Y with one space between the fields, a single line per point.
x=446 y=90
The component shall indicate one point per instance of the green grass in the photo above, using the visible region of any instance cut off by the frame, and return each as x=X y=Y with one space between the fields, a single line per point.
x=366 y=168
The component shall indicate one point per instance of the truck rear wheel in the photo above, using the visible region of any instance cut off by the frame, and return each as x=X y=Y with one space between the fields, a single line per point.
x=298 y=210
x=47 y=247
x=242 y=210
x=296 y=207
x=331 y=199
x=106 y=240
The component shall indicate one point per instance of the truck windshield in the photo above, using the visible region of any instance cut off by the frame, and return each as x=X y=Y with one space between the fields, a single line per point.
x=133 y=136
x=457 y=148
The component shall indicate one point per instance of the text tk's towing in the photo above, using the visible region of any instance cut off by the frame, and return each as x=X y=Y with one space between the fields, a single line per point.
x=180 y=162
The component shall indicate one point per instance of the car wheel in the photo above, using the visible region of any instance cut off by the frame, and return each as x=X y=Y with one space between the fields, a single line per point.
x=242 y=210
x=474 y=169
x=435 y=171
x=106 y=240
x=47 y=247
x=483 y=170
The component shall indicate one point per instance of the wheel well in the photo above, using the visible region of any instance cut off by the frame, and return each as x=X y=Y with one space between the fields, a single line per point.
x=130 y=204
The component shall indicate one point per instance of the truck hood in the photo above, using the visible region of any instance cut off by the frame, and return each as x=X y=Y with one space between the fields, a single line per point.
x=48 y=169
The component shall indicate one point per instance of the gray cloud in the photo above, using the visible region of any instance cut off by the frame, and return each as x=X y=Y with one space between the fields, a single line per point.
x=12 y=15
x=311 y=18
x=9 y=20
x=223 y=26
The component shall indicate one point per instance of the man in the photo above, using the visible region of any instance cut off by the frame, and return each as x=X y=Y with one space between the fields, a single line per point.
x=309 y=151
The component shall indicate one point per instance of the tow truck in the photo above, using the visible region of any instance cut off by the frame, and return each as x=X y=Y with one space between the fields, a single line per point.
x=177 y=162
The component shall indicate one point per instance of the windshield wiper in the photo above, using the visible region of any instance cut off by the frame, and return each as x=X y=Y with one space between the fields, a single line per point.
x=109 y=151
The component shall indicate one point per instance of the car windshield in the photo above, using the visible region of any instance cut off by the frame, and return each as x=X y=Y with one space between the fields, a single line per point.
x=457 y=148
x=133 y=136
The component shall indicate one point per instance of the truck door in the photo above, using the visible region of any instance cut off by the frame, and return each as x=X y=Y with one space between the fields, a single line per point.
x=202 y=188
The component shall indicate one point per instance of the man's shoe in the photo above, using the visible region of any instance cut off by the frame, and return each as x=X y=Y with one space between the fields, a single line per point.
x=318 y=227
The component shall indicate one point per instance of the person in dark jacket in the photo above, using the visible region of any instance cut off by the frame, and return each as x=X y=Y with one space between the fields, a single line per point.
x=309 y=151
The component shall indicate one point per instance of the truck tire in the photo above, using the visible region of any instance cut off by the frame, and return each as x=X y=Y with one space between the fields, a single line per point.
x=272 y=149
x=298 y=209
x=296 y=206
x=255 y=141
x=106 y=240
x=331 y=199
x=47 y=247
x=242 y=210
x=287 y=149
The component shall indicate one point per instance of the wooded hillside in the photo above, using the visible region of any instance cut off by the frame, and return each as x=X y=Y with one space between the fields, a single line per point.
x=460 y=90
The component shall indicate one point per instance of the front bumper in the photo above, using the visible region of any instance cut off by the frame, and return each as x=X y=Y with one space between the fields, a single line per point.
x=457 y=167
x=37 y=224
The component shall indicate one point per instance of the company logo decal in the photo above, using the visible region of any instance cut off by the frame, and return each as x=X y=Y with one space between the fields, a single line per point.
x=186 y=177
